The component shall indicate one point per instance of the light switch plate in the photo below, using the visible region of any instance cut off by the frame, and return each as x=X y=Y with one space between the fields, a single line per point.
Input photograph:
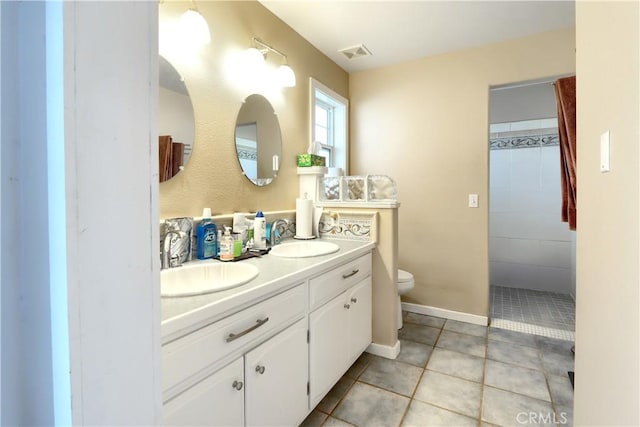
x=605 y=152
x=473 y=200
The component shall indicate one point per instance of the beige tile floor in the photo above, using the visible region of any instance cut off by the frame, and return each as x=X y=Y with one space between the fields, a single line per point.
x=452 y=373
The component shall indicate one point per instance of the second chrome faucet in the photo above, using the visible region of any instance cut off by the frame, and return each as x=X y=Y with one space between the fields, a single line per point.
x=278 y=228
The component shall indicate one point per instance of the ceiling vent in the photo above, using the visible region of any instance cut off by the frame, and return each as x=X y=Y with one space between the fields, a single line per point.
x=355 y=52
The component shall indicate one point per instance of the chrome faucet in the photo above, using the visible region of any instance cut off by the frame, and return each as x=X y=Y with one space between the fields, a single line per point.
x=276 y=233
x=171 y=258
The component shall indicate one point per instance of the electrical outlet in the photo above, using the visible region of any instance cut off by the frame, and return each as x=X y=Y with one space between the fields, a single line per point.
x=473 y=200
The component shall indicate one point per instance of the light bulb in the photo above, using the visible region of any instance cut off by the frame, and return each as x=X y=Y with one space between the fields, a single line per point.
x=195 y=28
x=255 y=58
x=286 y=76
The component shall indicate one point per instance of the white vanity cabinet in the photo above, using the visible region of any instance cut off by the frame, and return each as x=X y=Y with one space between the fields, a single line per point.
x=218 y=400
x=276 y=379
x=270 y=363
x=236 y=372
x=340 y=328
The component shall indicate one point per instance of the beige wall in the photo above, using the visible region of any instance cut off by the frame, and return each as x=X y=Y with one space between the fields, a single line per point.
x=425 y=123
x=608 y=297
x=213 y=177
x=385 y=277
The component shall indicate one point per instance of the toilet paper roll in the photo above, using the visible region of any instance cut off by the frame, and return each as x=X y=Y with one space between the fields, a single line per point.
x=304 y=218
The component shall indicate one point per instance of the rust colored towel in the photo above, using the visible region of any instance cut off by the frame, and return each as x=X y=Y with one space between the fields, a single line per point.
x=566 y=102
x=165 y=155
x=177 y=157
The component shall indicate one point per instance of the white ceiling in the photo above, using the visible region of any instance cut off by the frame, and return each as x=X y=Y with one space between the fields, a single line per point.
x=397 y=31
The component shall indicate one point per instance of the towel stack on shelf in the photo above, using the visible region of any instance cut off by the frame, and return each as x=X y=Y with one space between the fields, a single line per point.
x=171 y=156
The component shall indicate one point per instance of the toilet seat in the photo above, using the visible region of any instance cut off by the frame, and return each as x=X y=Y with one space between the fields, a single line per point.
x=404 y=276
x=405 y=282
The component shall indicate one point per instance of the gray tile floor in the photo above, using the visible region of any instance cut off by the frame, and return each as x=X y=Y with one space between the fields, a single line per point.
x=451 y=373
x=547 y=309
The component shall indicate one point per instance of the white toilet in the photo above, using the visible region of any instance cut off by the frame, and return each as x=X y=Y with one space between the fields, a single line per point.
x=405 y=284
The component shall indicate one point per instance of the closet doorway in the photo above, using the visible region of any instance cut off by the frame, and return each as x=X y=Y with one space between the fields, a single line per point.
x=531 y=251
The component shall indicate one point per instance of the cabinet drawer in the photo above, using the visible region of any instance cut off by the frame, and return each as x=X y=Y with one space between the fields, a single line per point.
x=326 y=286
x=185 y=357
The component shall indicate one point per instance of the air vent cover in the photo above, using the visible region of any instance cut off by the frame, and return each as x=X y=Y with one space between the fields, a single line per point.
x=355 y=52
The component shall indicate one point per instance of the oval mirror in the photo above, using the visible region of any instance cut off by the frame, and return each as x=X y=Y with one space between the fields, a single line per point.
x=176 y=122
x=258 y=140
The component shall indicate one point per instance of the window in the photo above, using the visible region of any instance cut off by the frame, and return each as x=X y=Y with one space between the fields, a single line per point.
x=247 y=148
x=329 y=118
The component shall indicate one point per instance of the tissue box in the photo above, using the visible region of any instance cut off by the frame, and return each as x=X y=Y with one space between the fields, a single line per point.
x=311 y=160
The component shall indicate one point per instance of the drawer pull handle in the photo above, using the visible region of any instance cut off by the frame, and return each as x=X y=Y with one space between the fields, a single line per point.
x=259 y=323
x=353 y=273
x=354 y=300
x=260 y=369
x=237 y=385
x=347 y=306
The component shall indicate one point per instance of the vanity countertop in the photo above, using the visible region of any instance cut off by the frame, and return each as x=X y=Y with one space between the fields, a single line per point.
x=181 y=315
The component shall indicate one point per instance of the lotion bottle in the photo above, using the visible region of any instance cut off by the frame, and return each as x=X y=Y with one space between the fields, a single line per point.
x=260 y=231
x=226 y=246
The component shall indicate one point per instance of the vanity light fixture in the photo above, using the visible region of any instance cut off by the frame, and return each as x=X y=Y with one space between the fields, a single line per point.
x=255 y=58
x=284 y=74
x=194 y=26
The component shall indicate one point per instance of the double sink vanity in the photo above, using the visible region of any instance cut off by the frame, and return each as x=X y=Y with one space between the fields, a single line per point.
x=274 y=336
x=262 y=340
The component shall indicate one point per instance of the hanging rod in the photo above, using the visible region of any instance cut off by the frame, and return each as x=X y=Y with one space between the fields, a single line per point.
x=268 y=47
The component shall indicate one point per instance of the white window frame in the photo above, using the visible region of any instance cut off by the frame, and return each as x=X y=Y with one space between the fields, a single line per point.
x=339 y=122
x=329 y=108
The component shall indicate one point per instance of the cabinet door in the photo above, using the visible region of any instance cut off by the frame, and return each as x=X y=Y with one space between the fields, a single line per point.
x=276 y=378
x=328 y=346
x=359 y=300
x=215 y=401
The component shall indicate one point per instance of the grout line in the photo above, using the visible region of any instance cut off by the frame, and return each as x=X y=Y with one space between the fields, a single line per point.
x=355 y=380
x=519 y=394
x=424 y=370
x=554 y=406
x=411 y=399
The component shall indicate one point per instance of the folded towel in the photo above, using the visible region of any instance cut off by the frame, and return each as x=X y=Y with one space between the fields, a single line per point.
x=177 y=157
x=165 y=155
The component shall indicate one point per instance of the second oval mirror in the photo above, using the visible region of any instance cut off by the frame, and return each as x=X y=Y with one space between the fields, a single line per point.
x=258 y=140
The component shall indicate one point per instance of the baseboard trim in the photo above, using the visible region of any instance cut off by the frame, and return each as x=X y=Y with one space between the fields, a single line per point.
x=444 y=313
x=385 y=351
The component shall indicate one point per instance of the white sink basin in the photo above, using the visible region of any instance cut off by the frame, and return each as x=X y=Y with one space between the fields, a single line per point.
x=202 y=278
x=304 y=249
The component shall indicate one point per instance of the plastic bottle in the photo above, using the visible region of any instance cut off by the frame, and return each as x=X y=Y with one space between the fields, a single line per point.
x=206 y=236
x=226 y=246
x=237 y=244
x=260 y=231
